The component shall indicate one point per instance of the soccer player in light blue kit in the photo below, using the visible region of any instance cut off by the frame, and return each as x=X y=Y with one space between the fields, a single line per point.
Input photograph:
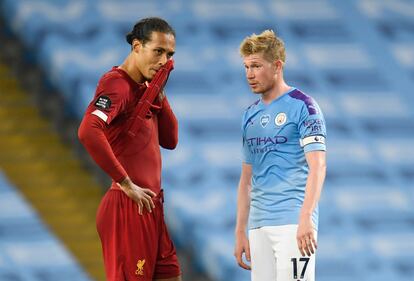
x=283 y=169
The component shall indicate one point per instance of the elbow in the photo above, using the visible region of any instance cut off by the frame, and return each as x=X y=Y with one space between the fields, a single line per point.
x=319 y=169
x=169 y=140
x=89 y=128
x=322 y=170
x=81 y=134
x=318 y=166
x=321 y=166
x=174 y=140
x=171 y=143
x=85 y=132
x=170 y=147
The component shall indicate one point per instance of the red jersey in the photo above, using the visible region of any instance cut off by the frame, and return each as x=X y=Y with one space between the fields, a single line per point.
x=104 y=131
x=135 y=247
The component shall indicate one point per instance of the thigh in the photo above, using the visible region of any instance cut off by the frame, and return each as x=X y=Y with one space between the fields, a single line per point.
x=291 y=265
x=128 y=239
x=167 y=266
x=263 y=261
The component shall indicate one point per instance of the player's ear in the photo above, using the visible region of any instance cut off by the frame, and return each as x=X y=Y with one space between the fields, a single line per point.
x=278 y=65
x=136 y=45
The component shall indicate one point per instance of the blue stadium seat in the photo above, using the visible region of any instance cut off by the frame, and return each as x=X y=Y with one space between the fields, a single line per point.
x=354 y=57
x=216 y=247
x=28 y=250
x=36 y=21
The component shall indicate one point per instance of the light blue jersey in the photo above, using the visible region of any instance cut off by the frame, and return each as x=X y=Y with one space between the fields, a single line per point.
x=275 y=139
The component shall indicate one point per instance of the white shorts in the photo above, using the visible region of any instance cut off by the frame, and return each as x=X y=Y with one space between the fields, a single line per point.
x=275 y=255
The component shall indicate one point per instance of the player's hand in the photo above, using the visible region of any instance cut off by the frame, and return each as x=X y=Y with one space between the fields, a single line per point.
x=242 y=246
x=142 y=196
x=306 y=236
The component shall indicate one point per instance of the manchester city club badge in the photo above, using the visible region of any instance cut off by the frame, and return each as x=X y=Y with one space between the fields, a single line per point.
x=280 y=119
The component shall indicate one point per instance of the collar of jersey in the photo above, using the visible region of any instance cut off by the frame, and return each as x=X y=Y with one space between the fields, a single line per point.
x=129 y=78
x=262 y=104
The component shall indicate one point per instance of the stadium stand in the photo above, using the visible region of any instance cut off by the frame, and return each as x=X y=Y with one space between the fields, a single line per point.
x=29 y=251
x=50 y=177
x=355 y=57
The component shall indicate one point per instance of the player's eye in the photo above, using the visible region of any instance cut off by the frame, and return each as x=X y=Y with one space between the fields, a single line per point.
x=158 y=52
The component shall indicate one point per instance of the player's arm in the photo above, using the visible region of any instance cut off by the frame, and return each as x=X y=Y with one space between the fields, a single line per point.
x=243 y=208
x=167 y=126
x=312 y=130
x=92 y=136
x=317 y=170
x=91 y=133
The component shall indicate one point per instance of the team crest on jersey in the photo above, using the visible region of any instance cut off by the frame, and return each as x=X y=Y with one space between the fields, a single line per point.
x=264 y=120
x=140 y=267
x=280 y=119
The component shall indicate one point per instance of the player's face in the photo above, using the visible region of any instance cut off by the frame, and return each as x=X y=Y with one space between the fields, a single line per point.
x=260 y=73
x=155 y=53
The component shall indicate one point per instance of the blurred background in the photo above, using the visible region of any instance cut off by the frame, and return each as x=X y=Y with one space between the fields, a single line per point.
x=356 y=58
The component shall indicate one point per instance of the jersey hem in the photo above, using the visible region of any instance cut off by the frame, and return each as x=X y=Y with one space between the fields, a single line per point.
x=277 y=223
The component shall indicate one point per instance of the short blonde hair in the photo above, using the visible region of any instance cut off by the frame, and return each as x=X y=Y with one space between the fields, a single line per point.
x=267 y=43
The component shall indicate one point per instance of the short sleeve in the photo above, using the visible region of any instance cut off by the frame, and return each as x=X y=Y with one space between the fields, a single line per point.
x=110 y=99
x=312 y=127
x=246 y=154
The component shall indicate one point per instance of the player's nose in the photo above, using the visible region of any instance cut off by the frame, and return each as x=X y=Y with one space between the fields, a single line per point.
x=249 y=74
x=163 y=60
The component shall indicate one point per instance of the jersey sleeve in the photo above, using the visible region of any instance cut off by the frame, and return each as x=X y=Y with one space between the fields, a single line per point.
x=167 y=126
x=91 y=135
x=312 y=128
x=246 y=154
x=110 y=98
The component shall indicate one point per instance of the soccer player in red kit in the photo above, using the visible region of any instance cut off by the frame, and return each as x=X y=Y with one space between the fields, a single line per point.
x=130 y=219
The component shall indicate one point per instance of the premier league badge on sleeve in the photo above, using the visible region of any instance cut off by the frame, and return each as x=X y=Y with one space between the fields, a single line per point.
x=264 y=120
x=280 y=119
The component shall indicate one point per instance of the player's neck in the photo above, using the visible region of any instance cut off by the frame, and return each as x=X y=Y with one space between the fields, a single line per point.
x=278 y=89
x=131 y=69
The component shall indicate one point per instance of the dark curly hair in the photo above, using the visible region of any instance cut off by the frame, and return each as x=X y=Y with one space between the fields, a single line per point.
x=142 y=29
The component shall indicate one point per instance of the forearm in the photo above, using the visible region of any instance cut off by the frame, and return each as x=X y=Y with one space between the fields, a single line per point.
x=243 y=207
x=94 y=140
x=167 y=126
x=313 y=190
x=126 y=184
